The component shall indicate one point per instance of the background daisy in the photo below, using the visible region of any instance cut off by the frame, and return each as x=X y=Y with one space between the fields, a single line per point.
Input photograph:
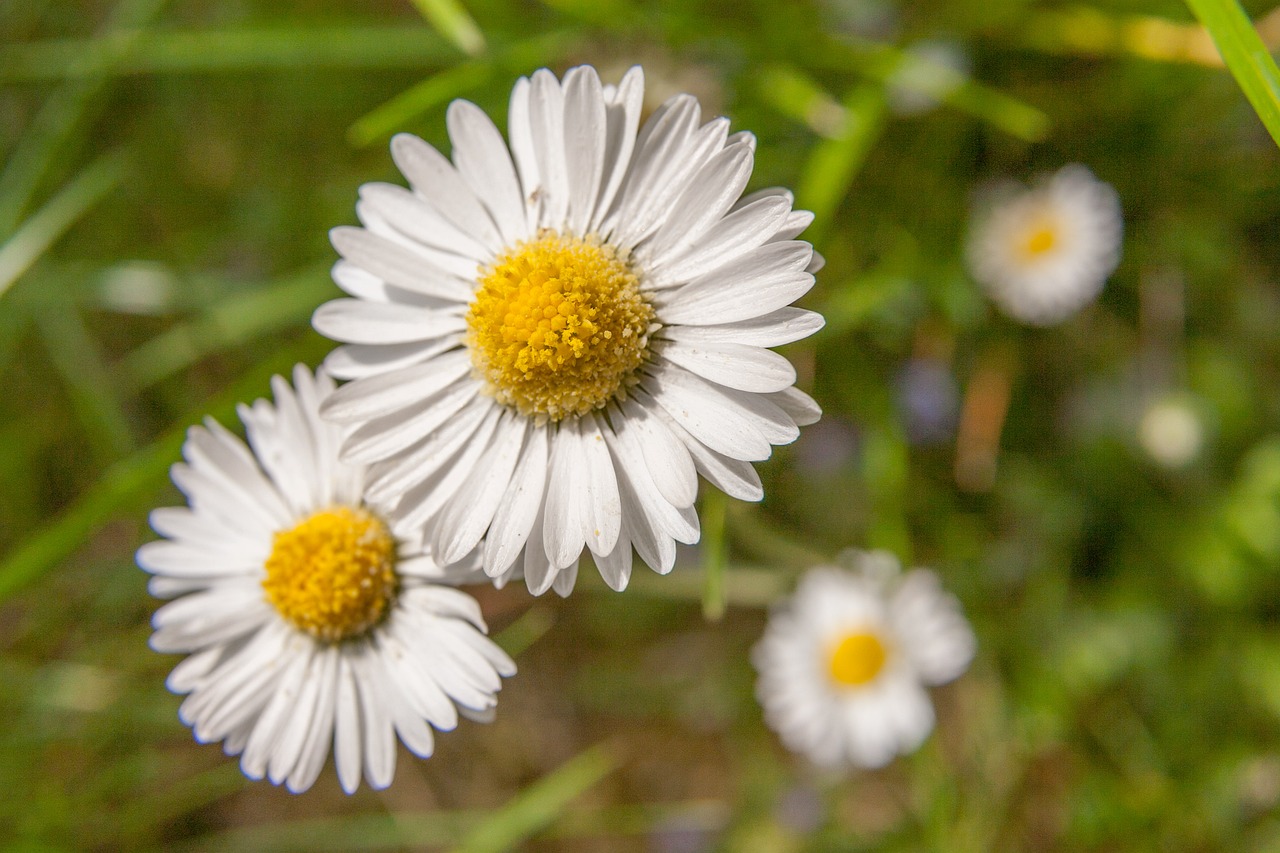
x=843 y=665
x=306 y=620
x=1044 y=253
x=549 y=342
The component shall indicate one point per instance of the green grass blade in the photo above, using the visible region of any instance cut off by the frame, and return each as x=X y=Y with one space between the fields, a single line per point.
x=207 y=51
x=539 y=805
x=715 y=554
x=50 y=131
x=1246 y=57
x=34 y=237
x=453 y=22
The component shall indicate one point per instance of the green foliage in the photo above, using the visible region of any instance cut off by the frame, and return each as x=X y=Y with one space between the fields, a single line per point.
x=169 y=174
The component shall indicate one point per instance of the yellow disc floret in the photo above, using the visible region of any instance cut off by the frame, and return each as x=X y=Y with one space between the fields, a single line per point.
x=333 y=575
x=857 y=659
x=1042 y=235
x=558 y=326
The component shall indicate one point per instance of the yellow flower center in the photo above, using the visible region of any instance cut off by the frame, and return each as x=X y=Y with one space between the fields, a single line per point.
x=1040 y=239
x=857 y=659
x=333 y=575
x=558 y=326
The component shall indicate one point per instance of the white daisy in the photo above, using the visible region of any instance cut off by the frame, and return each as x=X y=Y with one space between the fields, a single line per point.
x=549 y=341
x=1044 y=253
x=306 y=619
x=844 y=663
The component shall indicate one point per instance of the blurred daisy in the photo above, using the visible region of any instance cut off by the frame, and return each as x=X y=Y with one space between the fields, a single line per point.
x=1044 y=253
x=843 y=665
x=307 y=621
x=548 y=342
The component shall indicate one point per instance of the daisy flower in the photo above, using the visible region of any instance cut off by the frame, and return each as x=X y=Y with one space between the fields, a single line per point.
x=549 y=338
x=305 y=618
x=844 y=664
x=1044 y=253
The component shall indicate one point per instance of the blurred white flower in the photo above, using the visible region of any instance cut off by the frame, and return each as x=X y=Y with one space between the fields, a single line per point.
x=1171 y=432
x=1044 y=253
x=843 y=665
x=551 y=336
x=306 y=620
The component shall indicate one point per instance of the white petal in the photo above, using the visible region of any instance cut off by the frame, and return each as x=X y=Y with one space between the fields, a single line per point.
x=397 y=264
x=602 y=516
x=566 y=491
x=623 y=117
x=710 y=193
x=466 y=518
x=665 y=456
x=736 y=234
x=447 y=247
x=346 y=728
x=355 y=321
x=514 y=518
x=388 y=482
x=734 y=477
x=434 y=178
x=764 y=280
x=482 y=159
x=733 y=365
x=356 y=361
x=799 y=406
x=382 y=438
x=546 y=120
x=376 y=396
x=708 y=413
x=315 y=749
x=584 y=141
x=523 y=151
x=442 y=480
x=768 y=330
x=374 y=688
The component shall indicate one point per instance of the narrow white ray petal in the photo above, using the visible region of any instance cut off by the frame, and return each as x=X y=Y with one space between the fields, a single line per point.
x=702 y=204
x=355 y=321
x=584 y=141
x=376 y=396
x=181 y=523
x=626 y=445
x=546 y=120
x=187 y=673
x=736 y=478
x=538 y=571
x=374 y=688
x=410 y=216
x=623 y=119
x=482 y=159
x=397 y=264
x=467 y=517
x=708 y=413
x=315 y=749
x=346 y=727
x=601 y=517
x=514 y=518
x=523 y=151
x=447 y=602
x=776 y=328
x=761 y=281
x=799 y=406
x=665 y=457
x=737 y=233
x=356 y=361
x=410 y=672
x=298 y=720
x=796 y=222
x=181 y=560
x=566 y=491
x=495 y=657
x=388 y=482
x=381 y=438
x=565 y=579
x=439 y=184
x=615 y=567
x=733 y=365
x=278 y=714
x=441 y=482
x=295 y=472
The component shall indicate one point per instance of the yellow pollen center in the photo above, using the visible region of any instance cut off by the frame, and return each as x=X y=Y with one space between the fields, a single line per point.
x=1041 y=239
x=333 y=575
x=857 y=659
x=558 y=326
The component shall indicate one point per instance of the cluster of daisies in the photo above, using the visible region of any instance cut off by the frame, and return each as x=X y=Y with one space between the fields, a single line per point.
x=546 y=340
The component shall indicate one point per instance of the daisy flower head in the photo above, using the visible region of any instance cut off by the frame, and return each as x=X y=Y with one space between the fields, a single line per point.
x=843 y=664
x=1044 y=253
x=549 y=337
x=306 y=619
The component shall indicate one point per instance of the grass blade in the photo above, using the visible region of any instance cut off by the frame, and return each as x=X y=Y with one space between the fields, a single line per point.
x=176 y=52
x=34 y=237
x=1246 y=57
x=835 y=161
x=539 y=805
x=453 y=22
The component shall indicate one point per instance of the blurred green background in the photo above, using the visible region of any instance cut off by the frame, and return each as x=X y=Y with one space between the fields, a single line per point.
x=169 y=174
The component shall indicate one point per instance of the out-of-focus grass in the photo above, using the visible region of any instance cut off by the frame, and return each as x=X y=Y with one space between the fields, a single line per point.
x=169 y=174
